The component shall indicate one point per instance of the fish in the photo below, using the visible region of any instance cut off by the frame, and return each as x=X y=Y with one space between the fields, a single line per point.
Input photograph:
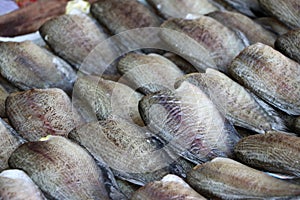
x=118 y=16
x=28 y=66
x=288 y=44
x=224 y=178
x=181 y=63
x=182 y=9
x=237 y=104
x=148 y=73
x=250 y=8
x=285 y=11
x=206 y=46
x=270 y=75
x=189 y=122
x=10 y=141
x=273 y=25
x=61 y=169
x=132 y=152
x=273 y=152
x=98 y=99
x=37 y=113
x=171 y=187
x=3 y=95
x=240 y=23
x=74 y=38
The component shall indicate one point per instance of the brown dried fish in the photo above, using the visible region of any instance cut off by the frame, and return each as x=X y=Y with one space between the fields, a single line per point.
x=182 y=9
x=40 y=112
x=16 y=185
x=272 y=24
x=285 y=11
x=270 y=75
x=240 y=23
x=9 y=141
x=189 y=122
x=97 y=99
x=123 y=15
x=74 y=37
x=234 y=101
x=129 y=150
x=171 y=187
x=227 y=179
x=149 y=73
x=61 y=168
x=28 y=66
x=289 y=44
x=211 y=47
x=272 y=152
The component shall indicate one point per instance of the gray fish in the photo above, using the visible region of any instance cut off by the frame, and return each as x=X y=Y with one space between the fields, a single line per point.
x=61 y=168
x=97 y=99
x=272 y=24
x=270 y=75
x=189 y=122
x=247 y=7
x=149 y=73
x=234 y=101
x=16 y=185
x=183 y=64
x=285 y=11
x=129 y=150
x=40 y=112
x=217 y=44
x=3 y=95
x=171 y=187
x=10 y=140
x=238 y=22
x=127 y=188
x=29 y=66
x=288 y=44
x=73 y=37
x=123 y=15
x=182 y=9
x=224 y=178
x=272 y=152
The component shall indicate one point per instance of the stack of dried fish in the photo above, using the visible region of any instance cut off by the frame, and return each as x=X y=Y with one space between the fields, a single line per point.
x=214 y=113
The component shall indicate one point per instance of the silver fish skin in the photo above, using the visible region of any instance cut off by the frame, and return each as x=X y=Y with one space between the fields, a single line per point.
x=28 y=66
x=98 y=99
x=10 y=140
x=171 y=187
x=285 y=11
x=183 y=64
x=149 y=73
x=72 y=37
x=223 y=178
x=17 y=185
x=37 y=113
x=205 y=31
x=61 y=168
x=273 y=25
x=246 y=7
x=288 y=44
x=273 y=152
x=234 y=101
x=123 y=15
x=189 y=122
x=240 y=22
x=182 y=9
x=129 y=150
x=270 y=75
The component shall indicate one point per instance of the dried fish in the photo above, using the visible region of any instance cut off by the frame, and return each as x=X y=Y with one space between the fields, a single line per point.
x=61 y=168
x=270 y=75
x=272 y=152
x=183 y=64
x=247 y=7
x=272 y=24
x=16 y=185
x=227 y=179
x=40 y=112
x=28 y=66
x=171 y=187
x=3 y=95
x=189 y=122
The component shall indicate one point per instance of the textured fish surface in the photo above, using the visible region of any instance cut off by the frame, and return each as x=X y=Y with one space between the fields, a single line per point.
x=37 y=113
x=272 y=152
x=61 y=168
x=227 y=179
x=270 y=75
